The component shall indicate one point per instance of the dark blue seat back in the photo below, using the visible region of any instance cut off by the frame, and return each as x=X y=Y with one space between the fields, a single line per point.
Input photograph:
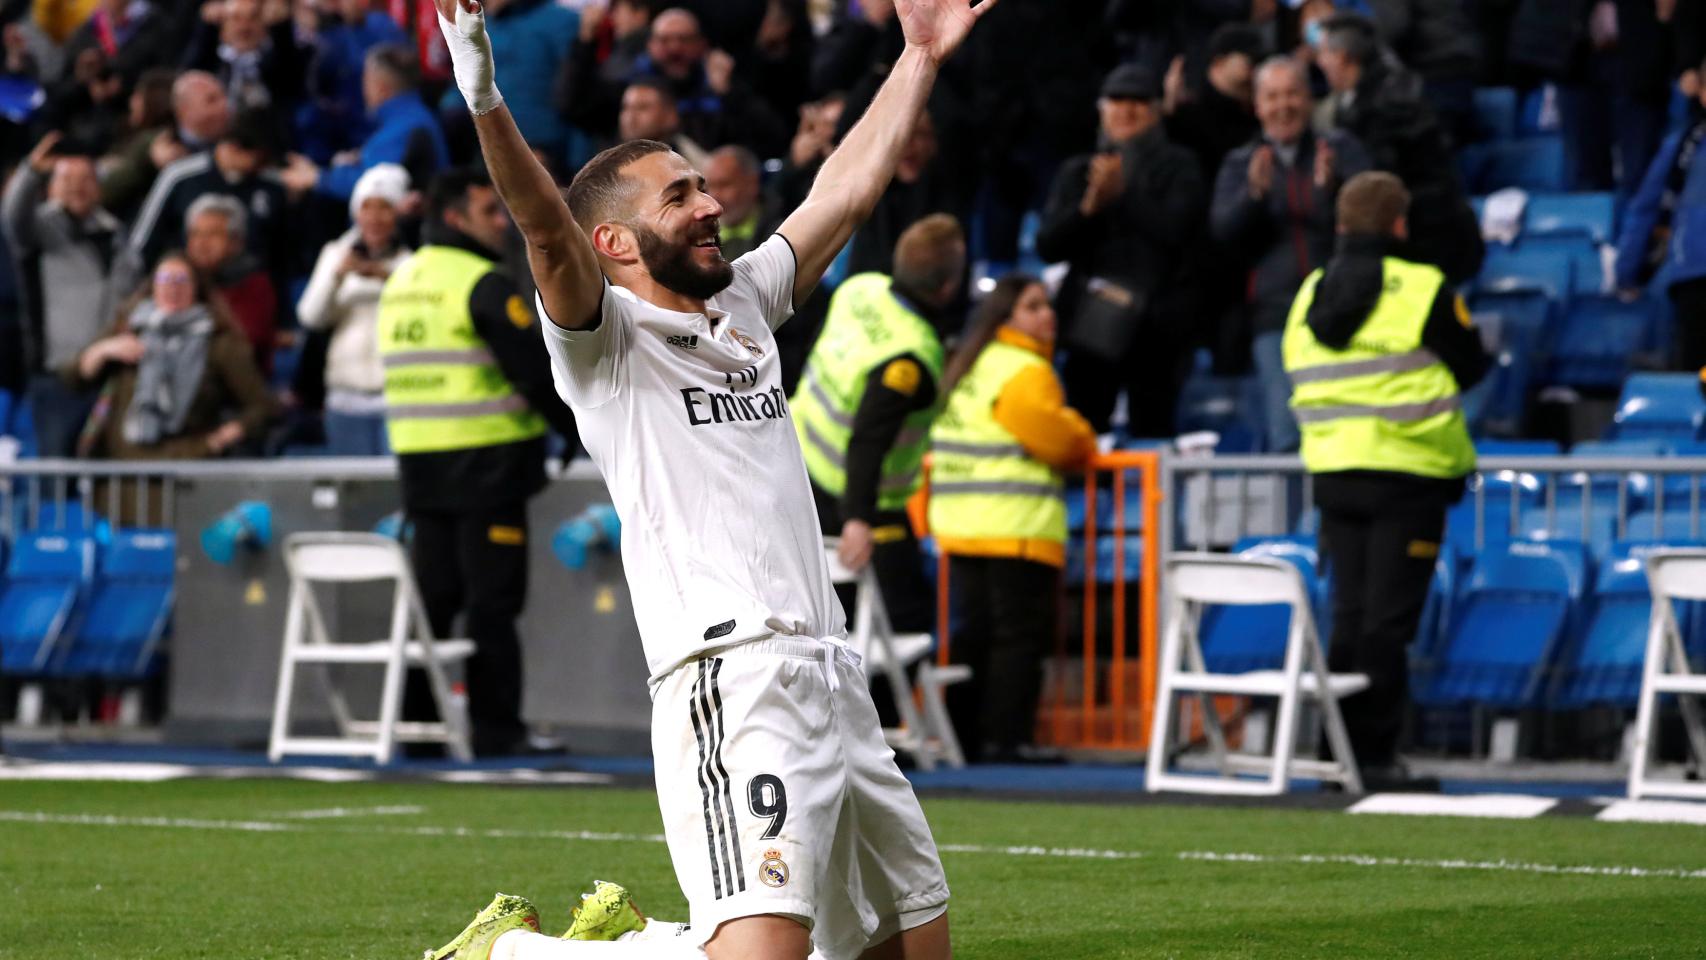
x=1599 y=339
x=129 y=608
x=1591 y=215
x=1665 y=405
x=1515 y=611
x=45 y=577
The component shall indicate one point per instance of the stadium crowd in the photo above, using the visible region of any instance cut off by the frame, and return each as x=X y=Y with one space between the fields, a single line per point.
x=1181 y=157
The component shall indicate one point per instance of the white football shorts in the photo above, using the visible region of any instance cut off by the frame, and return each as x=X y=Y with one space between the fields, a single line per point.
x=780 y=796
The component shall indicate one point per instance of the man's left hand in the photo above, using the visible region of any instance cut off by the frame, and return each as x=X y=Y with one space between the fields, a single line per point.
x=1325 y=164
x=857 y=542
x=938 y=27
x=301 y=175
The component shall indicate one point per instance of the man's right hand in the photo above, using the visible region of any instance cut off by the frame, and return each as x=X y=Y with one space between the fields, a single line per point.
x=1106 y=182
x=41 y=159
x=1261 y=173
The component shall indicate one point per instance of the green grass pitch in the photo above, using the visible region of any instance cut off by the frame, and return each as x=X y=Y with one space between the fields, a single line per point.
x=257 y=868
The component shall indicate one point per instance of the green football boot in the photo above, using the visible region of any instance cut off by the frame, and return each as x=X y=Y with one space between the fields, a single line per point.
x=503 y=914
x=605 y=914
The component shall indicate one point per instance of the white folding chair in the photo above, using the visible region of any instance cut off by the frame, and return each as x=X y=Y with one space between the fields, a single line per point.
x=330 y=558
x=927 y=735
x=1195 y=581
x=1671 y=575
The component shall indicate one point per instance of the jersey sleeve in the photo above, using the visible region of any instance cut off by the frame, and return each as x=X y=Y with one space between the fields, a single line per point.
x=767 y=274
x=587 y=366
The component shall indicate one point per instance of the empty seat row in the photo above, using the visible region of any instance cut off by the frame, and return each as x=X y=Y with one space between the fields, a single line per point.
x=70 y=606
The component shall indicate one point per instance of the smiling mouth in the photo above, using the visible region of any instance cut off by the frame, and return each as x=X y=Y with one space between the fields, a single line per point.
x=710 y=243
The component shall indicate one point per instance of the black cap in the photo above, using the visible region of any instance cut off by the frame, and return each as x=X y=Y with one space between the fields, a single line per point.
x=1130 y=81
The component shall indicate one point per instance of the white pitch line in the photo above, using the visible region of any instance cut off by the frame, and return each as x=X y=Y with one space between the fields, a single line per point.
x=334 y=813
x=1065 y=853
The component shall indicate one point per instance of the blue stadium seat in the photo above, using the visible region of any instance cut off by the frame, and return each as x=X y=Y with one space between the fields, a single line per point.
x=1535 y=115
x=1587 y=270
x=1598 y=340
x=1104 y=560
x=1514 y=614
x=1600 y=532
x=1238 y=639
x=6 y=404
x=1495 y=112
x=1546 y=269
x=1076 y=513
x=1666 y=405
x=1590 y=215
x=1521 y=319
x=1495 y=523
x=1532 y=163
x=1674 y=525
x=129 y=608
x=45 y=577
x=1517 y=448
x=1603 y=665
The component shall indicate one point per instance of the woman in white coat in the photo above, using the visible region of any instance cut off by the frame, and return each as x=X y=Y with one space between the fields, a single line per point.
x=343 y=296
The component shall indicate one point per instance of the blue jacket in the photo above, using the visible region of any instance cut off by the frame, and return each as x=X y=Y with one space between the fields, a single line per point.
x=1686 y=258
x=340 y=52
x=405 y=132
x=530 y=41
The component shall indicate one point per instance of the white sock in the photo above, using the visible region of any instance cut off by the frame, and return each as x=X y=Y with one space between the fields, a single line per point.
x=527 y=945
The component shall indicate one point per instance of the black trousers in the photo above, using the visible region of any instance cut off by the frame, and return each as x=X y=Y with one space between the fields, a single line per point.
x=1689 y=297
x=1379 y=539
x=1008 y=611
x=474 y=565
x=1150 y=377
x=898 y=562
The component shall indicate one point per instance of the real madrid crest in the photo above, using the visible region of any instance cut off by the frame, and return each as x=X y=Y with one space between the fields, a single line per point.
x=752 y=347
x=773 y=872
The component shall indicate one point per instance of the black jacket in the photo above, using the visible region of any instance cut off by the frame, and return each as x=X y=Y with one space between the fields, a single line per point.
x=1389 y=114
x=454 y=481
x=1350 y=287
x=1137 y=239
x=1284 y=235
x=159 y=225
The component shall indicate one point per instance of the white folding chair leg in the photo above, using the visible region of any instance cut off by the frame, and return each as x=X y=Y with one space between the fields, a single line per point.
x=939 y=725
x=1343 y=759
x=286 y=679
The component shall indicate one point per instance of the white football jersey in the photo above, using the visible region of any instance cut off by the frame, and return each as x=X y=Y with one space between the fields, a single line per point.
x=685 y=416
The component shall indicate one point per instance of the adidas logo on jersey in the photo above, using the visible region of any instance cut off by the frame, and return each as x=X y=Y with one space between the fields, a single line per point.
x=709 y=406
x=685 y=343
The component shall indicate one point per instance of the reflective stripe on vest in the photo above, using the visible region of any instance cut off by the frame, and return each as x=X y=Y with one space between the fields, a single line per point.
x=1384 y=402
x=866 y=327
x=443 y=387
x=983 y=485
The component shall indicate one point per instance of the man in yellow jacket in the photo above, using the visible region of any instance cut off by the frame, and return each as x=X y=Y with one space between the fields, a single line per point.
x=864 y=405
x=1379 y=350
x=996 y=509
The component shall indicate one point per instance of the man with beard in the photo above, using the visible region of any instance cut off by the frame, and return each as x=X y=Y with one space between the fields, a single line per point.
x=667 y=355
x=468 y=398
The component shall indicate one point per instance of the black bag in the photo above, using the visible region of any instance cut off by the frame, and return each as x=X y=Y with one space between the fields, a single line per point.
x=1107 y=319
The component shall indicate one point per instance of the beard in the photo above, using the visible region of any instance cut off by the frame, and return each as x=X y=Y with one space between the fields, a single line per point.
x=672 y=266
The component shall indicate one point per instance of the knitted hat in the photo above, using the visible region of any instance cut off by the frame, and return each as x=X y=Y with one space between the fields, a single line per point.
x=387 y=181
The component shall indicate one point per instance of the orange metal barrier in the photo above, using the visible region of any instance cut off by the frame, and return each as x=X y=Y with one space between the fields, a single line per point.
x=1112 y=703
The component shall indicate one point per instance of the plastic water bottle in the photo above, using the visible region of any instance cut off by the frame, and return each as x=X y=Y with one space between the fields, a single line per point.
x=247 y=524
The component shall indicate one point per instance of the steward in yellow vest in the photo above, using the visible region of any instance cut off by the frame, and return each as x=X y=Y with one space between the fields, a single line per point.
x=1379 y=351
x=468 y=396
x=864 y=405
x=999 y=450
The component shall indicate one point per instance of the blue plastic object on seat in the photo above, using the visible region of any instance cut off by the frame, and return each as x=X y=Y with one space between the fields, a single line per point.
x=1590 y=215
x=248 y=524
x=1598 y=340
x=45 y=576
x=1666 y=405
x=129 y=608
x=1515 y=612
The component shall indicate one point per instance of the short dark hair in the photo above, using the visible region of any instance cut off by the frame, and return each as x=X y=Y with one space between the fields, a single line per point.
x=252 y=129
x=653 y=83
x=397 y=61
x=449 y=191
x=599 y=190
x=1232 y=38
x=1353 y=35
x=1372 y=203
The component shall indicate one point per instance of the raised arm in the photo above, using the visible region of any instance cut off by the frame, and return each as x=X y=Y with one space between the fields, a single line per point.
x=856 y=174
x=565 y=268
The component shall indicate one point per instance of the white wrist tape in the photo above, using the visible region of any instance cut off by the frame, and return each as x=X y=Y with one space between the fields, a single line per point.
x=471 y=60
